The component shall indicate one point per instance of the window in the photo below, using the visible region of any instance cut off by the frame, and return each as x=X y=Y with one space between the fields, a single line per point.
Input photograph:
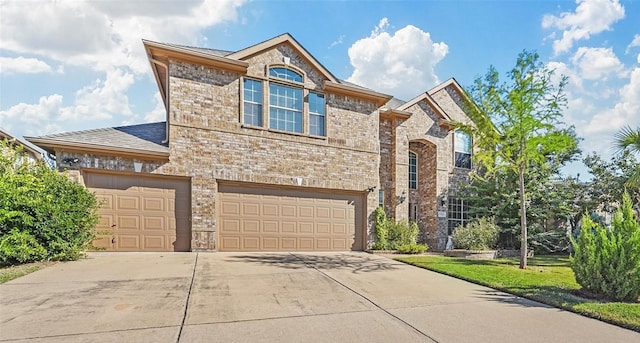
x=457 y=213
x=285 y=74
x=316 y=114
x=252 y=102
x=413 y=212
x=285 y=97
x=381 y=199
x=413 y=171
x=462 y=148
x=285 y=108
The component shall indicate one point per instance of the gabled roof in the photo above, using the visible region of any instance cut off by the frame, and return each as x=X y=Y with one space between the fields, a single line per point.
x=24 y=145
x=283 y=38
x=426 y=97
x=143 y=140
x=159 y=54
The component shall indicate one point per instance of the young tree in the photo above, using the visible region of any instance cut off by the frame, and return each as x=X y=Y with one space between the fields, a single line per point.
x=629 y=140
x=517 y=124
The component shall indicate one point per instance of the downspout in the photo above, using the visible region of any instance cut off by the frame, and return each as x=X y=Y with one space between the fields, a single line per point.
x=166 y=98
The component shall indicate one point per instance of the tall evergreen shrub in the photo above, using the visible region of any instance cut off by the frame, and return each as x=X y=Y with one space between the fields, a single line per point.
x=606 y=261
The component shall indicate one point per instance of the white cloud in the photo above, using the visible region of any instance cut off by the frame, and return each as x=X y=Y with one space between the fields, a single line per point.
x=106 y=34
x=401 y=64
x=32 y=114
x=590 y=17
x=102 y=99
x=597 y=63
x=158 y=113
x=338 y=41
x=634 y=43
x=21 y=65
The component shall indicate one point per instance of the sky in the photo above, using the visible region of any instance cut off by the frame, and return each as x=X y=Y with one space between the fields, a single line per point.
x=71 y=65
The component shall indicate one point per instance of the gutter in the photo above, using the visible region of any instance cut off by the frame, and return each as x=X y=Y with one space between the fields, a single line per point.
x=166 y=98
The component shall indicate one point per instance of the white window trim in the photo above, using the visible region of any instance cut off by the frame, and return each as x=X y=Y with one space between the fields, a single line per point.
x=409 y=164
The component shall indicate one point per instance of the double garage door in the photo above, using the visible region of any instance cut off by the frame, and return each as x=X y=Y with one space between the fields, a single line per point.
x=146 y=213
x=141 y=213
x=273 y=219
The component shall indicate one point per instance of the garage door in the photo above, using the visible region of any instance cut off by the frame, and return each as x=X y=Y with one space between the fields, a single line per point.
x=260 y=219
x=141 y=213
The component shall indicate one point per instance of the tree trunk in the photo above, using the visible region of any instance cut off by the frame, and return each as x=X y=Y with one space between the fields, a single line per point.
x=523 y=221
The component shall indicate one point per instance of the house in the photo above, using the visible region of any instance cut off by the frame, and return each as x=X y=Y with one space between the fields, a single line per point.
x=264 y=149
x=29 y=153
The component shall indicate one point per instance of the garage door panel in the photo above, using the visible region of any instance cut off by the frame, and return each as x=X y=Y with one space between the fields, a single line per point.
x=270 y=210
x=269 y=243
x=153 y=204
x=141 y=213
x=128 y=242
x=250 y=226
x=281 y=219
x=126 y=202
x=154 y=224
x=250 y=243
x=154 y=242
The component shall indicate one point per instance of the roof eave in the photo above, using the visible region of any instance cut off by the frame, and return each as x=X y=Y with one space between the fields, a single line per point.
x=379 y=98
x=51 y=145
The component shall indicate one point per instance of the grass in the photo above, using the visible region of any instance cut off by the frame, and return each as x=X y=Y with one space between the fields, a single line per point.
x=8 y=273
x=548 y=279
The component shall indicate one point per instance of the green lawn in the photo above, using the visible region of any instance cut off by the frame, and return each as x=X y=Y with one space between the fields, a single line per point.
x=8 y=273
x=549 y=279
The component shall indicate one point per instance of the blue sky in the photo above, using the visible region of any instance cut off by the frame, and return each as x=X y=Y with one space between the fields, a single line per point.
x=74 y=65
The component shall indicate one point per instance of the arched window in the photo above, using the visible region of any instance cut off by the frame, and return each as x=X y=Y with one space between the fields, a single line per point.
x=413 y=170
x=285 y=74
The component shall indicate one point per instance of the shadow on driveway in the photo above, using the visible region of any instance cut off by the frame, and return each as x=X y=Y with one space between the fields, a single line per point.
x=357 y=263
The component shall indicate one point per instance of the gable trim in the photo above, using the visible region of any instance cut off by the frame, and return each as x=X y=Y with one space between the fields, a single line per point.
x=284 y=38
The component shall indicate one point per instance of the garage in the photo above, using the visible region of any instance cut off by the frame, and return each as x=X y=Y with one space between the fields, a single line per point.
x=258 y=218
x=141 y=213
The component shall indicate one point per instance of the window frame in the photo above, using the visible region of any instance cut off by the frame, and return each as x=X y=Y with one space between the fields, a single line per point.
x=278 y=78
x=245 y=101
x=464 y=161
x=381 y=198
x=413 y=184
x=296 y=112
x=457 y=212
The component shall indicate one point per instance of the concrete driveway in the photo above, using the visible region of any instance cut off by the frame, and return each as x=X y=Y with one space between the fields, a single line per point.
x=273 y=297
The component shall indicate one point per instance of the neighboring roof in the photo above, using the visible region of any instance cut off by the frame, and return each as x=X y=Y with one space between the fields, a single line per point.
x=25 y=145
x=142 y=139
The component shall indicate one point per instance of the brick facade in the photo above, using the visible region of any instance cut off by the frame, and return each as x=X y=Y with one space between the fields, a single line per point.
x=208 y=143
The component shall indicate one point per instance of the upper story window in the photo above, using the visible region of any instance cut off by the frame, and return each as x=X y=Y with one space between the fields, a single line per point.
x=252 y=102
x=285 y=74
x=462 y=148
x=381 y=198
x=413 y=170
x=285 y=109
x=316 y=114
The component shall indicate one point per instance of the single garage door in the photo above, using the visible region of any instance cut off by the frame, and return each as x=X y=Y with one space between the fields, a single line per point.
x=141 y=213
x=267 y=219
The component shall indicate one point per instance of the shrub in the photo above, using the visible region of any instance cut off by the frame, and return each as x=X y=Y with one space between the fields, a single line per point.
x=481 y=234
x=606 y=261
x=59 y=213
x=390 y=234
x=412 y=248
x=20 y=247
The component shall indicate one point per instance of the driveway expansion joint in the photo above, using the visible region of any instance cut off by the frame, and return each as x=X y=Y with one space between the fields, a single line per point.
x=186 y=304
x=366 y=299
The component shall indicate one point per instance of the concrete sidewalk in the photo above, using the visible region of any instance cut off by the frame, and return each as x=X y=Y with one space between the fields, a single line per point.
x=273 y=297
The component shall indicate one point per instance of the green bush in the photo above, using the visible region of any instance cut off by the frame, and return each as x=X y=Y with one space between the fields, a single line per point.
x=20 y=247
x=481 y=234
x=606 y=261
x=412 y=248
x=58 y=212
x=390 y=235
